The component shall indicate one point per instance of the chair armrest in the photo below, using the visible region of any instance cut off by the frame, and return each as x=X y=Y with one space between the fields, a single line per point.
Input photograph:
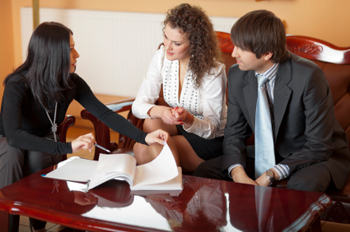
x=63 y=129
x=121 y=106
x=102 y=135
x=102 y=132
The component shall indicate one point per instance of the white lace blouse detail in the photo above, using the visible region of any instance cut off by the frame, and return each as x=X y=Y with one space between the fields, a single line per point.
x=189 y=96
x=207 y=102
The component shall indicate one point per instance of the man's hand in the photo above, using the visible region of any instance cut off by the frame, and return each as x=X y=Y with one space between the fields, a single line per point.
x=263 y=180
x=240 y=176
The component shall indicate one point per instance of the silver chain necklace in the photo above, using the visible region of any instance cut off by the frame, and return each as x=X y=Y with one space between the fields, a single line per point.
x=53 y=123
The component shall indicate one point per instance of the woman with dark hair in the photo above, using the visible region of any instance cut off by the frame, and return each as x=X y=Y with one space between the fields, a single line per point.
x=187 y=74
x=35 y=100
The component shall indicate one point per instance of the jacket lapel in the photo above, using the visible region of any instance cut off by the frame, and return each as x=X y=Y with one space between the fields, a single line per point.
x=282 y=93
x=251 y=95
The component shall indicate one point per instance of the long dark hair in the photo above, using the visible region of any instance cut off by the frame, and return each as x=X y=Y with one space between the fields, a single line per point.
x=47 y=66
x=204 y=47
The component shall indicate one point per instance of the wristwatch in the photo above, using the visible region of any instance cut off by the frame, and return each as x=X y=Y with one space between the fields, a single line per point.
x=271 y=175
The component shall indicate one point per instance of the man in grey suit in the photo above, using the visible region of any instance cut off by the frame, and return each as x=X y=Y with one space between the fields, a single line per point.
x=310 y=147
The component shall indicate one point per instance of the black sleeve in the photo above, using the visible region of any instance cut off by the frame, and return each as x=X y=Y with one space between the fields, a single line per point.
x=15 y=94
x=116 y=122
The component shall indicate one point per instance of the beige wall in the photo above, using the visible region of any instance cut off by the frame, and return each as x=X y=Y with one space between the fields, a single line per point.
x=324 y=19
x=6 y=41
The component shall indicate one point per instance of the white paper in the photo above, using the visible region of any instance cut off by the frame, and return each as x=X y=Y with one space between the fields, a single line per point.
x=114 y=166
x=163 y=168
x=160 y=174
x=173 y=184
x=74 y=169
x=123 y=163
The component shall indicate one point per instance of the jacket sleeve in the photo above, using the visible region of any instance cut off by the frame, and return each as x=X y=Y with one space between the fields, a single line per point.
x=318 y=120
x=237 y=129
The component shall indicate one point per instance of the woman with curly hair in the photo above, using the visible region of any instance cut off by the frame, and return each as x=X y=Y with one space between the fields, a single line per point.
x=186 y=73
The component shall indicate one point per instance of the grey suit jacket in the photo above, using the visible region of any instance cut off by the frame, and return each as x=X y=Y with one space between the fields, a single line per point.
x=306 y=131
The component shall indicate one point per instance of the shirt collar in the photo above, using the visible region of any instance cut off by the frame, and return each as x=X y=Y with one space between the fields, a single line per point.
x=271 y=73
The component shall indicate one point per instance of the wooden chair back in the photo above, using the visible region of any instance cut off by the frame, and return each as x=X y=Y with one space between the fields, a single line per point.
x=62 y=130
x=335 y=63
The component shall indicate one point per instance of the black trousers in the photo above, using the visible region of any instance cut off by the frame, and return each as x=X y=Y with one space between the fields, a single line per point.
x=315 y=177
x=15 y=164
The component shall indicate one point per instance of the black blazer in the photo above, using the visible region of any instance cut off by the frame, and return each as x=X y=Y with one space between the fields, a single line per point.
x=306 y=131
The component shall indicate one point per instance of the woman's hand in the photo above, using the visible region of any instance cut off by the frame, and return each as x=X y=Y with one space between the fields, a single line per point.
x=182 y=116
x=169 y=118
x=158 y=136
x=85 y=142
x=179 y=113
x=164 y=113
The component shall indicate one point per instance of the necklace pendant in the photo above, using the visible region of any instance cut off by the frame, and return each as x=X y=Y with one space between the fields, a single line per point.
x=53 y=123
x=54 y=128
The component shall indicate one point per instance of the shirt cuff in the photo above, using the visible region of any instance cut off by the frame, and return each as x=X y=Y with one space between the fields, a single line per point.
x=192 y=128
x=232 y=167
x=282 y=170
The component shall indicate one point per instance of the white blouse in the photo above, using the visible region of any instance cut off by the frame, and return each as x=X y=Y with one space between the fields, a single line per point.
x=207 y=102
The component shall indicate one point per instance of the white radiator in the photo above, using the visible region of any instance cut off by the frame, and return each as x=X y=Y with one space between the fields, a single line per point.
x=115 y=47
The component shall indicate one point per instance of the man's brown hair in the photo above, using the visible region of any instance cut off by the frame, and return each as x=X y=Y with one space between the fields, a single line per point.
x=261 y=32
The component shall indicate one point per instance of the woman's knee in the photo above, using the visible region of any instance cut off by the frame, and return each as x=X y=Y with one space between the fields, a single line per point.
x=139 y=149
x=141 y=153
x=12 y=156
x=151 y=125
x=11 y=164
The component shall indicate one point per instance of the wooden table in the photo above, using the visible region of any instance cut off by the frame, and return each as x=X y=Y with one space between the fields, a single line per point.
x=203 y=205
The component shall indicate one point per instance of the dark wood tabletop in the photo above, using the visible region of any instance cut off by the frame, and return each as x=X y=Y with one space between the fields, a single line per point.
x=203 y=205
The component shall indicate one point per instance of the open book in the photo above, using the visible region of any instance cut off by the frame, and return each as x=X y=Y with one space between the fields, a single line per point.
x=161 y=173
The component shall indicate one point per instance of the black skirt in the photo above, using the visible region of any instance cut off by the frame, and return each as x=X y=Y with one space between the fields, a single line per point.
x=205 y=148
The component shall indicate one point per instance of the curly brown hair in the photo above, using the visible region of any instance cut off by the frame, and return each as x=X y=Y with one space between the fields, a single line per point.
x=204 y=48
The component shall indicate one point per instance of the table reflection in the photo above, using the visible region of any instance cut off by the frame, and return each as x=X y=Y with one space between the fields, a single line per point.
x=266 y=209
x=201 y=205
x=58 y=196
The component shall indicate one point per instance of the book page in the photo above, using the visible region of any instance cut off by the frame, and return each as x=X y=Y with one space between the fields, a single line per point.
x=163 y=168
x=74 y=169
x=174 y=184
x=114 y=166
